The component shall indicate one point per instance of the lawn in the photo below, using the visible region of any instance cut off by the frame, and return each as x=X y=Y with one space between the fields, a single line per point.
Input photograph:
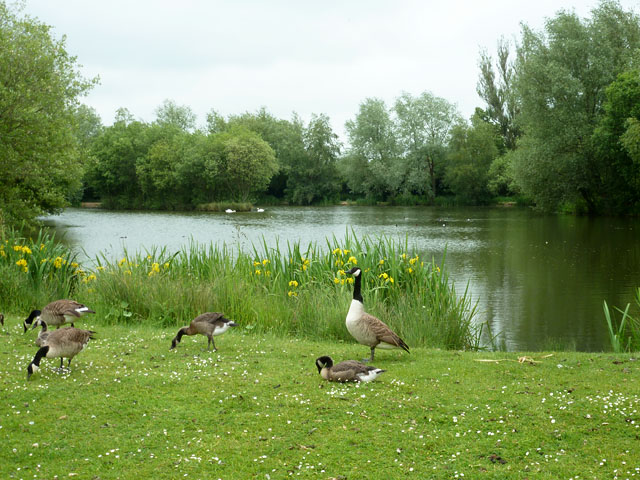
x=257 y=408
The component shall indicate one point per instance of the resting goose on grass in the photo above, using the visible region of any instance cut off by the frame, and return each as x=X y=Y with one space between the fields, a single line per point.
x=58 y=313
x=365 y=328
x=64 y=343
x=208 y=324
x=347 y=371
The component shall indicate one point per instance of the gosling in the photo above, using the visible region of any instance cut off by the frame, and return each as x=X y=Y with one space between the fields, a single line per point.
x=209 y=324
x=347 y=371
x=64 y=343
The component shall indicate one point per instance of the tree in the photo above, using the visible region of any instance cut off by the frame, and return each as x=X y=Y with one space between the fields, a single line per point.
x=496 y=88
x=179 y=116
x=617 y=145
x=245 y=163
x=314 y=176
x=471 y=151
x=424 y=126
x=372 y=166
x=113 y=173
x=562 y=75
x=39 y=92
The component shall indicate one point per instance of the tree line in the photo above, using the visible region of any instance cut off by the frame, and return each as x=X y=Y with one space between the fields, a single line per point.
x=559 y=128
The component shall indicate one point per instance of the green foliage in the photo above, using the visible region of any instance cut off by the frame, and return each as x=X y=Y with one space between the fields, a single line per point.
x=35 y=270
x=617 y=145
x=314 y=175
x=624 y=334
x=499 y=93
x=39 y=91
x=471 y=153
x=424 y=125
x=561 y=79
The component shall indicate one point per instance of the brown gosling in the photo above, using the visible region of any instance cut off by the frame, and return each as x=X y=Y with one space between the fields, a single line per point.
x=365 y=328
x=347 y=371
x=208 y=324
x=64 y=343
x=58 y=313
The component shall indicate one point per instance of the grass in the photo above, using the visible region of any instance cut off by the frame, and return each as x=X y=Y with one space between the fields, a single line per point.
x=294 y=290
x=257 y=408
x=624 y=335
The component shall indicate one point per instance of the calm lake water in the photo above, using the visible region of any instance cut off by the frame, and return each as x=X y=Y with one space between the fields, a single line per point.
x=540 y=280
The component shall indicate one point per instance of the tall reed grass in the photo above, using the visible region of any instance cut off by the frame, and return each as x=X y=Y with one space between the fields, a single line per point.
x=283 y=289
x=624 y=334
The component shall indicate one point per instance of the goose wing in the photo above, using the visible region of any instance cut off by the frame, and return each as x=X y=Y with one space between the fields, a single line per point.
x=67 y=307
x=383 y=333
x=209 y=317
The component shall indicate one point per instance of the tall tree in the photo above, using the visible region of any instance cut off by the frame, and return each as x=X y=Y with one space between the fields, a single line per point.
x=372 y=168
x=39 y=91
x=314 y=176
x=496 y=87
x=471 y=151
x=561 y=81
x=424 y=128
x=617 y=145
x=179 y=116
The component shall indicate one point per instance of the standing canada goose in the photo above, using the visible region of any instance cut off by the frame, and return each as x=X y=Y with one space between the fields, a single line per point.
x=347 y=371
x=58 y=313
x=64 y=343
x=2 y=319
x=41 y=341
x=365 y=328
x=208 y=324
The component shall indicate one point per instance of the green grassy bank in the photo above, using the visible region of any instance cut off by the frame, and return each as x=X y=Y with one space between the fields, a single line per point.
x=257 y=408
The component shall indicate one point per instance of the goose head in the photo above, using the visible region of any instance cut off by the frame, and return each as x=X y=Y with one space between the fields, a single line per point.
x=355 y=271
x=324 y=362
x=34 y=315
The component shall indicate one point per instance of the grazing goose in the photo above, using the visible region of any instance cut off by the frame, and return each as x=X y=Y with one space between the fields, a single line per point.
x=58 y=313
x=347 y=371
x=64 y=343
x=208 y=324
x=365 y=328
x=41 y=341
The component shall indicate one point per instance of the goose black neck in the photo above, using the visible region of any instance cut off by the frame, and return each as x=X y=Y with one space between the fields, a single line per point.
x=40 y=354
x=356 y=288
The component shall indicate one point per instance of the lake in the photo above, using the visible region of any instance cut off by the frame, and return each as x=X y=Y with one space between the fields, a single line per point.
x=540 y=280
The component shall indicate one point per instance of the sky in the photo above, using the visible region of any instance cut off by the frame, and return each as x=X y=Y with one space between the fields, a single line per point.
x=285 y=55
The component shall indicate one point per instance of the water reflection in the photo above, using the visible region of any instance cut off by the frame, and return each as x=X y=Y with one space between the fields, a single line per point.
x=540 y=280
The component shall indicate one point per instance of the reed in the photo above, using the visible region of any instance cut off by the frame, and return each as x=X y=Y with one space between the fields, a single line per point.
x=34 y=270
x=288 y=290
x=624 y=335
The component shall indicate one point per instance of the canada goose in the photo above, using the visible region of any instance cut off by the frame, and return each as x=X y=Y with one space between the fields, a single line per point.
x=365 y=328
x=41 y=341
x=64 y=342
x=208 y=324
x=58 y=313
x=1 y=318
x=347 y=371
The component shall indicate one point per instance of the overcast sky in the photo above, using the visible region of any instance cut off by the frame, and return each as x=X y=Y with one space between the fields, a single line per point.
x=286 y=55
